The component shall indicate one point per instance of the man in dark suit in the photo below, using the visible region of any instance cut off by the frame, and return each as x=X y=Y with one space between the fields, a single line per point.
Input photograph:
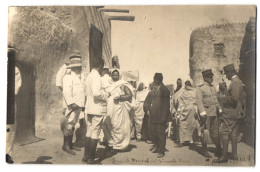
x=231 y=105
x=157 y=107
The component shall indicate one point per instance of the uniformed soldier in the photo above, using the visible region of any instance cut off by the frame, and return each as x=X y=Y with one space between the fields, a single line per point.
x=230 y=115
x=94 y=110
x=74 y=96
x=208 y=107
x=13 y=90
x=63 y=71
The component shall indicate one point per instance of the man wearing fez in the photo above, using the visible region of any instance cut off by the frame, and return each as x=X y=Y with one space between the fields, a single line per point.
x=96 y=96
x=157 y=107
x=208 y=107
x=230 y=115
x=74 y=97
x=14 y=85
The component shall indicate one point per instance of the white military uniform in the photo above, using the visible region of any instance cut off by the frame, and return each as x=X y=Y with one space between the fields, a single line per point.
x=73 y=92
x=94 y=104
x=59 y=79
x=12 y=127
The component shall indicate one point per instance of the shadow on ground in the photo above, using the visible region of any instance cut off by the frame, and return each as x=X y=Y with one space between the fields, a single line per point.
x=40 y=160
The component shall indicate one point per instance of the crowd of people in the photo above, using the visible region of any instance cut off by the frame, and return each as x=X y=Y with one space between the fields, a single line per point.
x=115 y=112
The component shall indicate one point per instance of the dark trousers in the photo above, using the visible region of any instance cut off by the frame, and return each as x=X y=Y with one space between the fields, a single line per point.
x=158 y=135
x=176 y=131
x=145 y=131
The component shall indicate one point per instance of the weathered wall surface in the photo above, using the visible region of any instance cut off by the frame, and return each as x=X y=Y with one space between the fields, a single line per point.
x=247 y=74
x=46 y=36
x=220 y=45
x=214 y=47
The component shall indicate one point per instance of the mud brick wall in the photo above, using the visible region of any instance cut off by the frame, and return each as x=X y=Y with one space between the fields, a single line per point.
x=214 y=47
x=46 y=36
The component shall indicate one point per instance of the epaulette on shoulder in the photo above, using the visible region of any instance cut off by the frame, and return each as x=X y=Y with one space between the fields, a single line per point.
x=201 y=85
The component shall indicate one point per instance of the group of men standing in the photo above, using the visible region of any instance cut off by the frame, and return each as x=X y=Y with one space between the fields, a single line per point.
x=218 y=113
x=83 y=95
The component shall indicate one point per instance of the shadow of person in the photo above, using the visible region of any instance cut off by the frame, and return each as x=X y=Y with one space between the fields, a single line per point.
x=103 y=154
x=128 y=149
x=40 y=160
x=197 y=148
x=212 y=149
x=80 y=133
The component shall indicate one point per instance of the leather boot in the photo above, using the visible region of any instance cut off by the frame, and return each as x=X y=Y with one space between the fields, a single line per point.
x=9 y=159
x=71 y=145
x=155 y=149
x=87 y=145
x=216 y=141
x=67 y=147
x=224 y=157
x=93 y=147
x=234 y=147
x=204 y=152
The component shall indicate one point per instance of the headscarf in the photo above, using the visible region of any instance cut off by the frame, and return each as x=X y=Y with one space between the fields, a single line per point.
x=119 y=72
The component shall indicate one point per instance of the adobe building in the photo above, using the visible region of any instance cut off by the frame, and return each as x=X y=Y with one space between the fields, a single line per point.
x=214 y=47
x=45 y=37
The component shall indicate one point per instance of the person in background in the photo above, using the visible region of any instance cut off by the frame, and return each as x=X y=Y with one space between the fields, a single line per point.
x=158 y=108
x=132 y=110
x=105 y=85
x=94 y=110
x=74 y=96
x=179 y=85
x=230 y=99
x=116 y=126
x=14 y=86
x=115 y=62
x=174 y=107
x=146 y=135
x=186 y=113
x=141 y=94
x=208 y=107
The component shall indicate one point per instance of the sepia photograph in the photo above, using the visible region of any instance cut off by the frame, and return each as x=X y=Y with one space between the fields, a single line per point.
x=153 y=85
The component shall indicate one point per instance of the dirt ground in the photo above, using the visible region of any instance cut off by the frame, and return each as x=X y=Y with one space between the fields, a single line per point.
x=49 y=151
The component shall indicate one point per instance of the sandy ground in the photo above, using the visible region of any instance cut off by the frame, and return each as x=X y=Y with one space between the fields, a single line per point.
x=49 y=151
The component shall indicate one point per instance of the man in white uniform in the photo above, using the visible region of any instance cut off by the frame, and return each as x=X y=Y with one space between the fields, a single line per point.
x=94 y=110
x=63 y=71
x=74 y=96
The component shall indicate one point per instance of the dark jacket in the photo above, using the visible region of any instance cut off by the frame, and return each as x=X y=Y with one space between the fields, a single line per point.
x=158 y=103
x=232 y=100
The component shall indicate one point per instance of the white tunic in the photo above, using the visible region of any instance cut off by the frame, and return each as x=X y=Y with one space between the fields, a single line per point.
x=74 y=89
x=95 y=95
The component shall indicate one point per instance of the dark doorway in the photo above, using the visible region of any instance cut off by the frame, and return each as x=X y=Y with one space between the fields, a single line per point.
x=25 y=103
x=95 y=45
